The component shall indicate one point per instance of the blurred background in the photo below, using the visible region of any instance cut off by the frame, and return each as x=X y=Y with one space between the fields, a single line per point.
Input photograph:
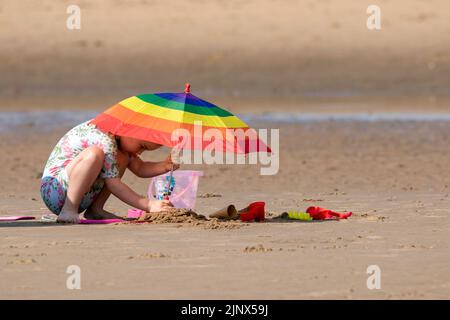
x=253 y=55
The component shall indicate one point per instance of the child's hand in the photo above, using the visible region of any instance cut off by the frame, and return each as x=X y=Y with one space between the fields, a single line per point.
x=159 y=205
x=168 y=164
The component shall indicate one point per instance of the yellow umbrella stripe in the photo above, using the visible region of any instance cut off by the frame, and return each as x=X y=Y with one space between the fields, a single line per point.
x=137 y=105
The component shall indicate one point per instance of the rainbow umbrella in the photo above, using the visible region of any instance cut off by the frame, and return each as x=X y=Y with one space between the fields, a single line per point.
x=155 y=117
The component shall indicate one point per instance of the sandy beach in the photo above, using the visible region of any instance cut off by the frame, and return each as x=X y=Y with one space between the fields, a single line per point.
x=304 y=58
x=391 y=175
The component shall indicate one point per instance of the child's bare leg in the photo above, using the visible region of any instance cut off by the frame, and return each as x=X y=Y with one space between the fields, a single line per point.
x=96 y=210
x=82 y=172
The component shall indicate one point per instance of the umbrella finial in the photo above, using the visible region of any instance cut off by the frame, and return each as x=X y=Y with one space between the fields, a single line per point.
x=187 y=88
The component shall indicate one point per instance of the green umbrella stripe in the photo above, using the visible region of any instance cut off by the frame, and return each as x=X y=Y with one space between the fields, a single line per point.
x=210 y=111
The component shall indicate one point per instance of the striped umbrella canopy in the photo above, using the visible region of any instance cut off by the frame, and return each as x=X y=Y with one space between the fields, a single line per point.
x=155 y=118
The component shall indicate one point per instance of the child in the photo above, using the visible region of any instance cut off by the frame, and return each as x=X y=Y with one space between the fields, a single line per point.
x=86 y=166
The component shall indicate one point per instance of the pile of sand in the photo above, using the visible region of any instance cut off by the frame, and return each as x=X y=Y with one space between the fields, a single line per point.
x=186 y=216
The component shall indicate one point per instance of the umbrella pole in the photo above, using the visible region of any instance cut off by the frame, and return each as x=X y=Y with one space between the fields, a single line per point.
x=171 y=170
x=168 y=184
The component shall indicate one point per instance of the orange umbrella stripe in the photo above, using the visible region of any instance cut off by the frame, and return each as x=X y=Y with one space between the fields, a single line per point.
x=145 y=121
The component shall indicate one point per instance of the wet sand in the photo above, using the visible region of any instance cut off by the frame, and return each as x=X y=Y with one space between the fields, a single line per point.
x=392 y=175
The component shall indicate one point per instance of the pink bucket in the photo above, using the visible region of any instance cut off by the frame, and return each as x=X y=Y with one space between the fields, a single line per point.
x=185 y=184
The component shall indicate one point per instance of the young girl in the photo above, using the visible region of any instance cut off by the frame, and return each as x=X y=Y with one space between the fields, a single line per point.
x=86 y=166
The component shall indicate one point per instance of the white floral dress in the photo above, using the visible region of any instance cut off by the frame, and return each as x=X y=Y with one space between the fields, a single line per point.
x=55 y=181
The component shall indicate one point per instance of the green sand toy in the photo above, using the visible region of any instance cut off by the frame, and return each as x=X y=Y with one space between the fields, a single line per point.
x=299 y=216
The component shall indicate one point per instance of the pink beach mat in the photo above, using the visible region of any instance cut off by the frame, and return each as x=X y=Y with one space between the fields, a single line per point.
x=15 y=218
x=135 y=213
x=105 y=221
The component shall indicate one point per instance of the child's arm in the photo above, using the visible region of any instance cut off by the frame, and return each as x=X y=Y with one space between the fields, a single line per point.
x=124 y=193
x=147 y=169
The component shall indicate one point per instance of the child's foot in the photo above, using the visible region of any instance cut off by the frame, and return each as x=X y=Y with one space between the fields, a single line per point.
x=68 y=217
x=99 y=214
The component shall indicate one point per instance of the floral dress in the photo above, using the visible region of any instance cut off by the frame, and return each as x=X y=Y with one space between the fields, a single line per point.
x=55 y=181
